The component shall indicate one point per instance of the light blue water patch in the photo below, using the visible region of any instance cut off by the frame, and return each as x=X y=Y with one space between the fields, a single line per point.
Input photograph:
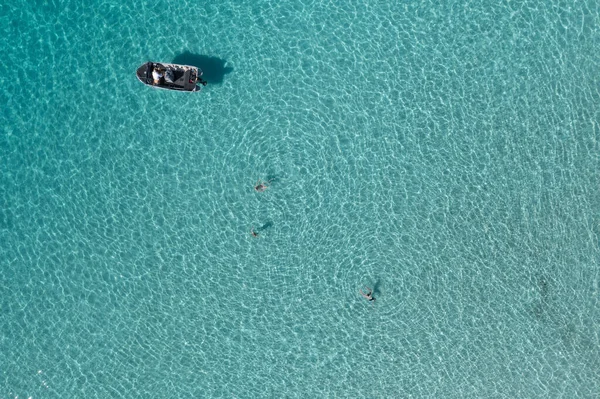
x=446 y=156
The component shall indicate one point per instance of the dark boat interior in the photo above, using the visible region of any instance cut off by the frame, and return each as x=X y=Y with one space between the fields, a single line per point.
x=174 y=78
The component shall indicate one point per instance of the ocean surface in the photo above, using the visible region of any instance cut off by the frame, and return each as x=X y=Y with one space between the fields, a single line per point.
x=444 y=154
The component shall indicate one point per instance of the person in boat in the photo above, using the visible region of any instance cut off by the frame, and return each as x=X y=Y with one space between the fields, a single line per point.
x=157 y=75
x=368 y=295
x=261 y=186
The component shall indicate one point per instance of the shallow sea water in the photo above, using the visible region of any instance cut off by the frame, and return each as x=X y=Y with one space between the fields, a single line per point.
x=445 y=155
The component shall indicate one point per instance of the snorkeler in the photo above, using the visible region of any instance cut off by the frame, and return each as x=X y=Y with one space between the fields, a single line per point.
x=261 y=186
x=369 y=295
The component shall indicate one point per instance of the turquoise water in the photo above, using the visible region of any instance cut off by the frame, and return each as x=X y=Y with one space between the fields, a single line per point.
x=445 y=155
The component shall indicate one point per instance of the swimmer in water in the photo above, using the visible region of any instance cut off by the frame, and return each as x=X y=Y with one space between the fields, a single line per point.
x=254 y=233
x=261 y=186
x=368 y=295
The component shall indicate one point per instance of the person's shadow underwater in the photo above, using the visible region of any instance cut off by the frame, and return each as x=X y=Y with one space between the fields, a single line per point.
x=376 y=286
x=214 y=68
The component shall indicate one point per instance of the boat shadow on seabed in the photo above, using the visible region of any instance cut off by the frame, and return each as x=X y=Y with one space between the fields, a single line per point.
x=213 y=68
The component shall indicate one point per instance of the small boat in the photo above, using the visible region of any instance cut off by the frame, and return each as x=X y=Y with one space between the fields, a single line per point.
x=170 y=76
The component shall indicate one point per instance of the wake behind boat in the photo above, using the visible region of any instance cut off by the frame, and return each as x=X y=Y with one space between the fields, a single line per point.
x=170 y=76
